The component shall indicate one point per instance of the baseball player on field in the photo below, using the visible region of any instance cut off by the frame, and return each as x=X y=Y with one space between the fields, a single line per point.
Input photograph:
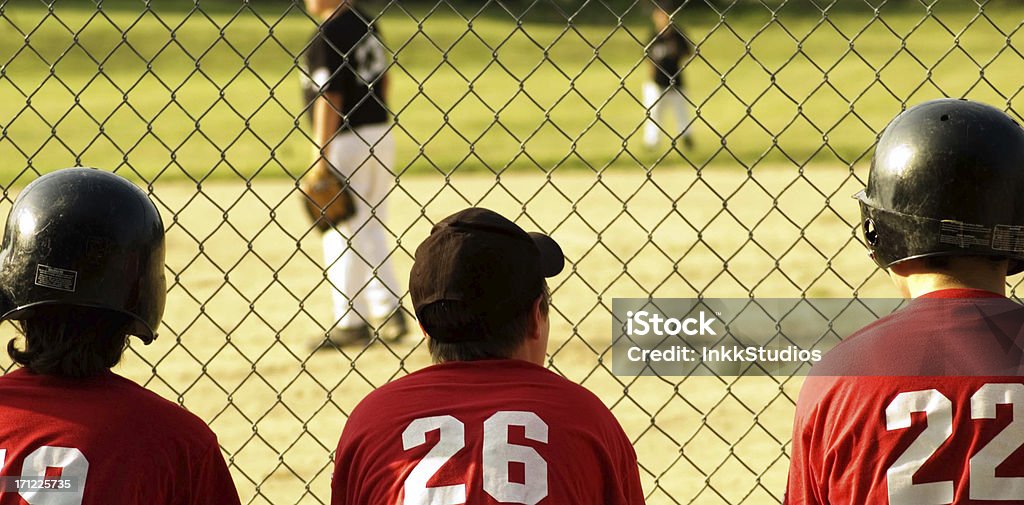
x=926 y=405
x=346 y=69
x=81 y=269
x=487 y=423
x=664 y=94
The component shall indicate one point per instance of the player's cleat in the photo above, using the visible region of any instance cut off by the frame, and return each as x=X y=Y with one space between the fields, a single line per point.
x=393 y=327
x=338 y=338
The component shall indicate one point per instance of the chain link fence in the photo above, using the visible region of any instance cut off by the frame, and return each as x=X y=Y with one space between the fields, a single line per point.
x=533 y=108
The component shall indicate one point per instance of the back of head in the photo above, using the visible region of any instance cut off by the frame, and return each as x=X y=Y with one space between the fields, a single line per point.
x=667 y=6
x=326 y=8
x=475 y=281
x=492 y=341
x=946 y=180
x=81 y=263
x=71 y=341
x=663 y=12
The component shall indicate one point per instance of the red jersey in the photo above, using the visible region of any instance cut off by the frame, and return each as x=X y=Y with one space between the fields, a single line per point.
x=115 y=441
x=484 y=432
x=906 y=435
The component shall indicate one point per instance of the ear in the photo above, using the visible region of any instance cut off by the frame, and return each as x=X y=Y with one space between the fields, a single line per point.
x=537 y=317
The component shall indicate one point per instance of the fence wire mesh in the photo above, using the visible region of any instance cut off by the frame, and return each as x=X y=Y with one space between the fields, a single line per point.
x=533 y=108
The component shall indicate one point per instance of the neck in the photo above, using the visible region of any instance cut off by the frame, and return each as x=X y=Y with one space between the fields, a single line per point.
x=920 y=276
x=922 y=284
x=528 y=353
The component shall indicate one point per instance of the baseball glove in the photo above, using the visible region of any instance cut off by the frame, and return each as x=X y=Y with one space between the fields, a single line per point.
x=327 y=198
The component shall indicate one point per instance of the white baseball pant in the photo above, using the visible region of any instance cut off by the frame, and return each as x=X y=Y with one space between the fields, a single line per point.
x=661 y=102
x=357 y=257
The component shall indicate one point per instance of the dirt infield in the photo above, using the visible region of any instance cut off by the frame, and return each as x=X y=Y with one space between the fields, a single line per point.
x=247 y=295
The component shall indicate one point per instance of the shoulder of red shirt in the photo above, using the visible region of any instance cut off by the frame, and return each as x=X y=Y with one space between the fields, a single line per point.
x=158 y=409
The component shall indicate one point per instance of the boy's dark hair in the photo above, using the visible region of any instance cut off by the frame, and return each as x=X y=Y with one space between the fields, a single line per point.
x=71 y=341
x=489 y=343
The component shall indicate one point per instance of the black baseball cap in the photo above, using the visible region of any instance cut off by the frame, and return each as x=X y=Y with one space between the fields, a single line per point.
x=484 y=263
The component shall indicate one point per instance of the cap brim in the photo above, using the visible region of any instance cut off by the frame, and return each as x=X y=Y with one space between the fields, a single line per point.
x=552 y=261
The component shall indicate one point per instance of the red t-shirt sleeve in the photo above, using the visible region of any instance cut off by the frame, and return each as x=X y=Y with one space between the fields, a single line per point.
x=344 y=464
x=211 y=480
x=802 y=487
x=629 y=490
x=339 y=484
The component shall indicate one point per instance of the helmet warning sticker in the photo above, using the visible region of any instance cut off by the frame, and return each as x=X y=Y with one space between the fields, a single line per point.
x=1008 y=238
x=964 y=235
x=56 y=278
x=1001 y=237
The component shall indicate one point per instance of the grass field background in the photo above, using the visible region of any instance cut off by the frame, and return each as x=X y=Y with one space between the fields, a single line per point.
x=788 y=107
x=213 y=91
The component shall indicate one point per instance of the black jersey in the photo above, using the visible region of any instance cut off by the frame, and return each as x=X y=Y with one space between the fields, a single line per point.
x=667 y=50
x=346 y=55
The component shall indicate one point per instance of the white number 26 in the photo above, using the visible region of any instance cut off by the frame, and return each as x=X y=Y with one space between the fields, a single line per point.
x=497 y=454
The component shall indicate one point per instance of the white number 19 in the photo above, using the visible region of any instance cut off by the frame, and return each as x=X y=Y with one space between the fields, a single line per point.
x=73 y=465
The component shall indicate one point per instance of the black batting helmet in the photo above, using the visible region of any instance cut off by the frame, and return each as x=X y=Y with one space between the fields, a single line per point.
x=947 y=178
x=84 y=237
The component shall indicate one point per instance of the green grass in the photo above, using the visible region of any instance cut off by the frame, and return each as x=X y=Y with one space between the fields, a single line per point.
x=175 y=92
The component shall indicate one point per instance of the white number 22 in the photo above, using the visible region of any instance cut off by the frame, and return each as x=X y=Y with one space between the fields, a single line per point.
x=497 y=454
x=73 y=465
x=983 y=485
